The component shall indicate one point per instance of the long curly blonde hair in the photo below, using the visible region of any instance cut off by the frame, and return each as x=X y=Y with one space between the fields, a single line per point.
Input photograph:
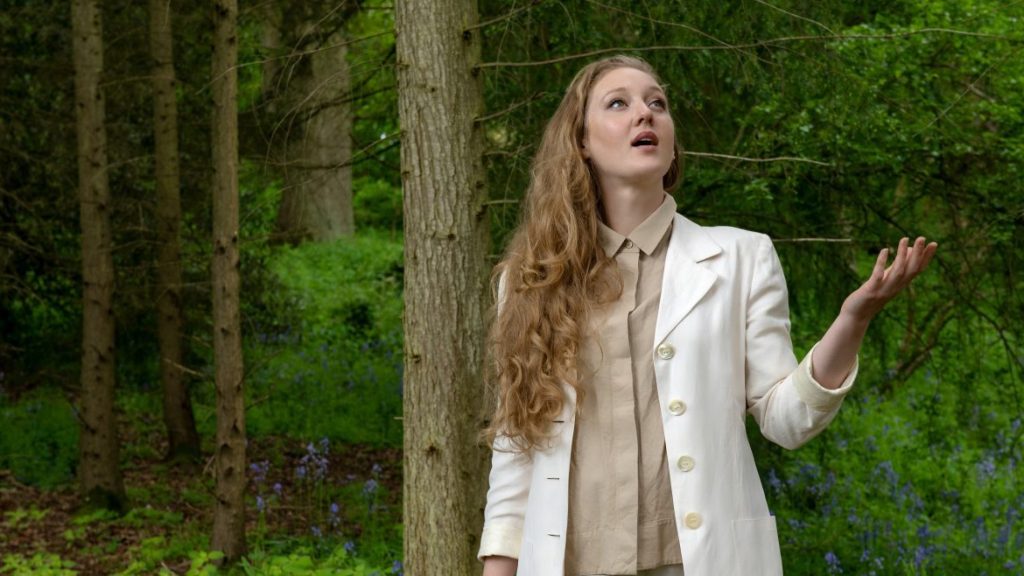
x=553 y=274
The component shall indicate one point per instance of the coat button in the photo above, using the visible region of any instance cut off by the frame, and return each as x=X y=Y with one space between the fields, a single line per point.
x=677 y=407
x=685 y=463
x=666 y=351
x=692 y=520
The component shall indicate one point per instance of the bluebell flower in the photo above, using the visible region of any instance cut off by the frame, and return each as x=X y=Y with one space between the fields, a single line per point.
x=376 y=470
x=260 y=504
x=832 y=561
x=333 y=518
x=370 y=487
x=259 y=471
x=300 y=472
x=987 y=468
x=278 y=489
x=396 y=568
x=316 y=531
x=350 y=547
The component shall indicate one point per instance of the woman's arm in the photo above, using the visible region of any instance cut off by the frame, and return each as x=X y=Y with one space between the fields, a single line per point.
x=836 y=352
x=500 y=566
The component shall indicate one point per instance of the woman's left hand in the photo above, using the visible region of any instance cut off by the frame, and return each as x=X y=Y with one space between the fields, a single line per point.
x=886 y=283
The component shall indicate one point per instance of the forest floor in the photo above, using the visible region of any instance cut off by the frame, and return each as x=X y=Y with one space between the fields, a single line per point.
x=171 y=508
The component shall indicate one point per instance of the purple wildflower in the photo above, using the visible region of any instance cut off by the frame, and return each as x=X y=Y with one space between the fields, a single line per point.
x=833 y=563
x=370 y=488
x=350 y=547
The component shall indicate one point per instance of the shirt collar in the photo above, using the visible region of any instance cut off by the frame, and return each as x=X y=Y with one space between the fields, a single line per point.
x=646 y=236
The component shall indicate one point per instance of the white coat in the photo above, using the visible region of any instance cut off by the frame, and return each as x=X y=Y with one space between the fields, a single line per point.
x=721 y=350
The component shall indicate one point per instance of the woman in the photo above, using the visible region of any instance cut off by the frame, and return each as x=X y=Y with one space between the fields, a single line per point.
x=629 y=345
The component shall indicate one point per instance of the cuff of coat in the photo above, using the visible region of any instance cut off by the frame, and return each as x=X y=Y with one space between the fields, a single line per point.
x=500 y=540
x=813 y=393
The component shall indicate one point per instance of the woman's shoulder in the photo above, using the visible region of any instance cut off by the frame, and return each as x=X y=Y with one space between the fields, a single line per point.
x=727 y=237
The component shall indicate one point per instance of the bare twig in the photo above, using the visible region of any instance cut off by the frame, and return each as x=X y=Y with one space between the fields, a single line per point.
x=747 y=159
x=505 y=16
x=829 y=240
x=761 y=43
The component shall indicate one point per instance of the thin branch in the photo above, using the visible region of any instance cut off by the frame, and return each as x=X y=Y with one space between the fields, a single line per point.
x=759 y=44
x=303 y=53
x=960 y=97
x=503 y=17
x=832 y=240
x=515 y=106
x=797 y=16
x=747 y=159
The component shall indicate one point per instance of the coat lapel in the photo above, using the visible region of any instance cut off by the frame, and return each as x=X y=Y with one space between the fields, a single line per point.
x=685 y=281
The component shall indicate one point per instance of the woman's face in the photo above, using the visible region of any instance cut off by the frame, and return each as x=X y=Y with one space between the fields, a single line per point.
x=629 y=137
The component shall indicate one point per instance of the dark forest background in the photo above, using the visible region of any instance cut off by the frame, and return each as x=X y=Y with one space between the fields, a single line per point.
x=834 y=127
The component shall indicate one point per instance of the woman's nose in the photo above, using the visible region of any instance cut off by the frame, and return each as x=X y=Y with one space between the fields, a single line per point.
x=644 y=115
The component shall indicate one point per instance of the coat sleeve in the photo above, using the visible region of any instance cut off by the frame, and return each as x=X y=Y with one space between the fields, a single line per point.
x=508 y=492
x=788 y=404
x=507 y=496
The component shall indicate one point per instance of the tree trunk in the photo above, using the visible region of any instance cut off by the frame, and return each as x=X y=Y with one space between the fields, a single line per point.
x=98 y=467
x=316 y=202
x=182 y=438
x=229 y=509
x=439 y=97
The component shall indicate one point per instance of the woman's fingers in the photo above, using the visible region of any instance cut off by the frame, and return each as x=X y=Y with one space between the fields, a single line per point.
x=878 y=272
x=910 y=261
x=899 y=265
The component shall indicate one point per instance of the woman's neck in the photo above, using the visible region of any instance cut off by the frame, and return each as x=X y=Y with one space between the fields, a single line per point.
x=625 y=207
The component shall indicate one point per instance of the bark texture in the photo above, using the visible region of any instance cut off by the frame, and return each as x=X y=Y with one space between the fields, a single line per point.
x=315 y=133
x=440 y=97
x=98 y=468
x=182 y=438
x=229 y=509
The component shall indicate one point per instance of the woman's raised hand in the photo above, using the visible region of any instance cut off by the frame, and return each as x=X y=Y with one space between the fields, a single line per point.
x=886 y=283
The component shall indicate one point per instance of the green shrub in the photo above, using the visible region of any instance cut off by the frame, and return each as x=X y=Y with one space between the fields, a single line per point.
x=328 y=359
x=39 y=443
x=39 y=564
x=377 y=204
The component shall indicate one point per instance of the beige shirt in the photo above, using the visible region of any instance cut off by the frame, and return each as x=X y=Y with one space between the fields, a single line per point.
x=621 y=516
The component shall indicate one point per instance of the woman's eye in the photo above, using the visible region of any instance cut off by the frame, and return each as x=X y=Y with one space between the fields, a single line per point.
x=617 y=103
x=659 y=104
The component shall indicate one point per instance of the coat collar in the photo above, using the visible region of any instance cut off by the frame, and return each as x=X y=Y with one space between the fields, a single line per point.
x=685 y=281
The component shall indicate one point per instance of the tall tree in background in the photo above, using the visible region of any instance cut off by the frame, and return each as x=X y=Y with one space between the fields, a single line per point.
x=229 y=509
x=182 y=438
x=446 y=242
x=313 y=129
x=98 y=467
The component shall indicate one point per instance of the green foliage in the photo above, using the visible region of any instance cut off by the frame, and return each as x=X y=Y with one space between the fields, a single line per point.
x=96 y=516
x=204 y=563
x=152 y=553
x=13 y=518
x=331 y=365
x=377 y=204
x=305 y=560
x=39 y=444
x=145 y=516
x=39 y=564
